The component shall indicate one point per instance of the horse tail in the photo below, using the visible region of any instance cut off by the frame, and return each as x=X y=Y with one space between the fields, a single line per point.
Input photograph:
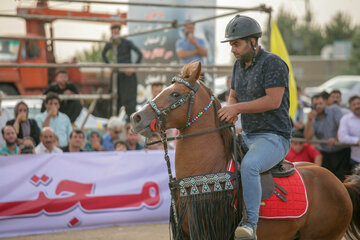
x=352 y=184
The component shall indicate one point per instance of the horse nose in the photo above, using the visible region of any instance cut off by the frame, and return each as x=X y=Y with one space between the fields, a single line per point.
x=136 y=117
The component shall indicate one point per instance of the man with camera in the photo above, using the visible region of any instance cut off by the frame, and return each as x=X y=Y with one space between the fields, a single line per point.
x=27 y=146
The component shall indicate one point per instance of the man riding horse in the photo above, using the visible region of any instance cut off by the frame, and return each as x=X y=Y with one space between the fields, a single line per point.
x=260 y=92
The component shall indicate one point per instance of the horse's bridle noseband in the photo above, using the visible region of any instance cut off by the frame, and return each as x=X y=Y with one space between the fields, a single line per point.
x=190 y=95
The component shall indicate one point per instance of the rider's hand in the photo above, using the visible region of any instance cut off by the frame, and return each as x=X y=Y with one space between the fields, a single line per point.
x=228 y=114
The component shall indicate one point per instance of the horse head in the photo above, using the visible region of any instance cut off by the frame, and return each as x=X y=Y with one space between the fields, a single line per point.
x=171 y=107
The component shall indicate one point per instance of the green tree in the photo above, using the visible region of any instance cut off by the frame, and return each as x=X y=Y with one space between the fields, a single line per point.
x=339 y=28
x=94 y=53
x=299 y=38
x=287 y=25
x=312 y=40
x=353 y=65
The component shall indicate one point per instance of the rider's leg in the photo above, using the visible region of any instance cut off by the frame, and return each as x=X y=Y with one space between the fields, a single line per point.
x=265 y=151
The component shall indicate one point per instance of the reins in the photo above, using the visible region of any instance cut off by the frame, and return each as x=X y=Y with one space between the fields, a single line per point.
x=161 y=117
x=192 y=135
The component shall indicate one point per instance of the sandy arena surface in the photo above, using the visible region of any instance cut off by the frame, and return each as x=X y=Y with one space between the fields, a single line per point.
x=135 y=232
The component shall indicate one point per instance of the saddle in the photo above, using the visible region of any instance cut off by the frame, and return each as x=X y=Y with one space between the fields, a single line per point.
x=269 y=187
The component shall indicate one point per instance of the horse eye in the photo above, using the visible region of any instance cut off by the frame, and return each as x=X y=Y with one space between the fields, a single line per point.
x=175 y=94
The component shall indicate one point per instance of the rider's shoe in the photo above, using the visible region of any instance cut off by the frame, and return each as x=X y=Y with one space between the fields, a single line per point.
x=245 y=233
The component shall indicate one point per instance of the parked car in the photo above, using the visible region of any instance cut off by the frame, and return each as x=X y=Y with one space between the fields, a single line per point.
x=349 y=85
x=35 y=107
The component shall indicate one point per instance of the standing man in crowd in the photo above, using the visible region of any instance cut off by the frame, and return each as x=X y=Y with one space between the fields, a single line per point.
x=190 y=48
x=58 y=121
x=260 y=92
x=323 y=123
x=71 y=108
x=10 y=137
x=76 y=141
x=349 y=130
x=47 y=142
x=335 y=100
x=127 y=81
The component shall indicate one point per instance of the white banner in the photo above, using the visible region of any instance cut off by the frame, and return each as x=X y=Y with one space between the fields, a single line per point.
x=59 y=192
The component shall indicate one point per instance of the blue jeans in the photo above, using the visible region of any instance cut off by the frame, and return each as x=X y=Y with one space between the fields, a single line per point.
x=265 y=151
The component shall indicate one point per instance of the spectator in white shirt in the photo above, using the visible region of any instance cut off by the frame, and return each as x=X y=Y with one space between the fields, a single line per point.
x=349 y=130
x=47 y=140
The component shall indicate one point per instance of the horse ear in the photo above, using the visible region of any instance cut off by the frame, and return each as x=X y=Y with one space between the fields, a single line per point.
x=195 y=75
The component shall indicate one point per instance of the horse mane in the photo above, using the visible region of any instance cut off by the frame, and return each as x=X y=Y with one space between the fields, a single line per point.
x=226 y=133
x=352 y=186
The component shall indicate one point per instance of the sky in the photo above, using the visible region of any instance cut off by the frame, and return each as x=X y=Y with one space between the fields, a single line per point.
x=323 y=11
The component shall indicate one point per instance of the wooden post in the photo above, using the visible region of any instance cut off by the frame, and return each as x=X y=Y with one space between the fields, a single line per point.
x=115 y=42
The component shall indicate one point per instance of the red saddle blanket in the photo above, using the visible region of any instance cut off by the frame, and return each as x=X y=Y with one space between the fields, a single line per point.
x=297 y=201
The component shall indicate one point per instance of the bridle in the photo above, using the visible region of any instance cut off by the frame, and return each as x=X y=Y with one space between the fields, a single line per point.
x=161 y=117
x=180 y=102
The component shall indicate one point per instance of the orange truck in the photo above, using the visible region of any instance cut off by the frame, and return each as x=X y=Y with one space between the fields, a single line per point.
x=19 y=50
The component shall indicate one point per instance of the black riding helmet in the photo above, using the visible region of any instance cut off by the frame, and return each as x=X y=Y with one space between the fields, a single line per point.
x=241 y=27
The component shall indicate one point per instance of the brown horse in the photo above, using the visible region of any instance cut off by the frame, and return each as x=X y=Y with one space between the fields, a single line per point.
x=187 y=105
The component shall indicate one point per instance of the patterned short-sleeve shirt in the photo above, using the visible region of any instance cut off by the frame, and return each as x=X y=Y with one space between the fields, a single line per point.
x=268 y=71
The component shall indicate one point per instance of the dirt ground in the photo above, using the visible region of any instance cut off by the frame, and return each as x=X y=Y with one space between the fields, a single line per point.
x=135 y=232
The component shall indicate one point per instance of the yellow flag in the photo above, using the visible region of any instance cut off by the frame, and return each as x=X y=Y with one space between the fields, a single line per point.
x=278 y=47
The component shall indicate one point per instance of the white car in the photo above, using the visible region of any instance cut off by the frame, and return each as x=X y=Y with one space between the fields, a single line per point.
x=349 y=85
x=35 y=107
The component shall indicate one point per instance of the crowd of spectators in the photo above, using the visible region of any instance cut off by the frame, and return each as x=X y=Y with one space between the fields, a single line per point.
x=338 y=129
x=53 y=132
